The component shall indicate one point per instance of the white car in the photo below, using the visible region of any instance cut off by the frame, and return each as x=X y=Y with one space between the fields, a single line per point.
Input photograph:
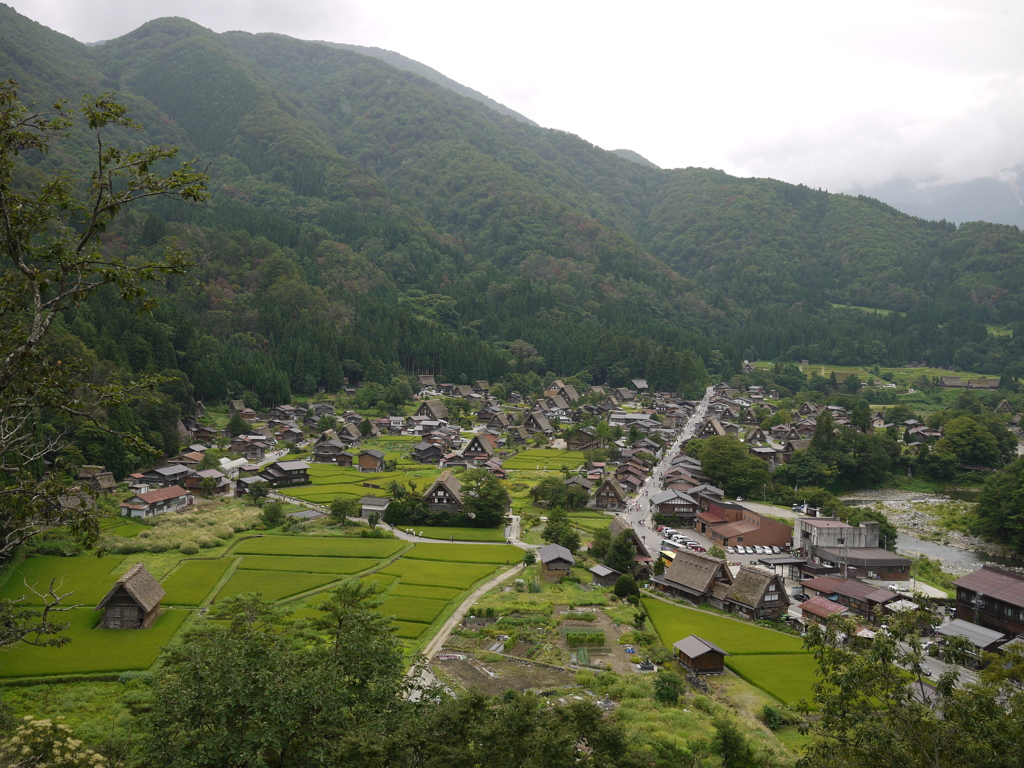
x=730 y=551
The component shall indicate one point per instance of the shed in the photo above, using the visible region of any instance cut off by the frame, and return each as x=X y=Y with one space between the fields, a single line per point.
x=555 y=561
x=133 y=602
x=700 y=656
x=604 y=576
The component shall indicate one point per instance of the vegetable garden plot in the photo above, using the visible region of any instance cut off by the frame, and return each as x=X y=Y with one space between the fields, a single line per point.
x=339 y=565
x=192 y=580
x=735 y=636
x=94 y=650
x=413 y=609
x=436 y=574
x=320 y=546
x=88 y=579
x=498 y=554
x=274 y=585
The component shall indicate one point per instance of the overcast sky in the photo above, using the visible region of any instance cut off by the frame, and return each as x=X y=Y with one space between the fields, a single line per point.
x=830 y=94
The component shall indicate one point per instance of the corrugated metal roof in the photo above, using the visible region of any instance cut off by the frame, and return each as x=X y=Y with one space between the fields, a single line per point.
x=979 y=636
x=995 y=583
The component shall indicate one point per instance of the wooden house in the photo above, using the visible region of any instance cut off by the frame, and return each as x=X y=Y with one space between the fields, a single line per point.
x=699 y=578
x=434 y=410
x=757 y=594
x=699 y=656
x=133 y=602
x=370 y=461
x=286 y=473
x=156 y=502
x=610 y=495
x=445 y=494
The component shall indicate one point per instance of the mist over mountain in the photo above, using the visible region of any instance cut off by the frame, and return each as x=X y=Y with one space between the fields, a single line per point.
x=369 y=218
x=996 y=200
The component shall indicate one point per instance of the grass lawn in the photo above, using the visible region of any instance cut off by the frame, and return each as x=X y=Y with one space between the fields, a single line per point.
x=419 y=590
x=87 y=579
x=735 y=636
x=94 y=650
x=339 y=565
x=438 y=574
x=320 y=546
x=192 y=581
x=498 y=554
x=788 y=677
x=274 y=585
x=413 y=609
x=461 y=534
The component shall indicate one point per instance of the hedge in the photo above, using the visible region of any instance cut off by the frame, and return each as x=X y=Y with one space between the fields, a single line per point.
x=591 y=638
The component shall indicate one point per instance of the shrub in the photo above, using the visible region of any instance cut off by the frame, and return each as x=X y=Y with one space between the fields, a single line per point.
x=703 y=703
x=189 y=548
x=158 y=546
x=208 y=542
x=626 y=585
x=135 y=675
x=777 y=717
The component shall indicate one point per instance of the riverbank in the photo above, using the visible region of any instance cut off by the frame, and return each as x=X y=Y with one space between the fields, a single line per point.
x=923 y=521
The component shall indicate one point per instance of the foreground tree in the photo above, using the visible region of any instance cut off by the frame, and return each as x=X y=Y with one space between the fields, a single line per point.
x=877 y=709
x=52 y=261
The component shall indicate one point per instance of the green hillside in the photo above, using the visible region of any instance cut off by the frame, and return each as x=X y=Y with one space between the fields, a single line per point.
x=366 y=220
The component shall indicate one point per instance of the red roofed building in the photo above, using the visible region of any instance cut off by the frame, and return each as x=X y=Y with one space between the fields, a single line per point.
x=156 y=502
x=819 y=608
x=859 y=597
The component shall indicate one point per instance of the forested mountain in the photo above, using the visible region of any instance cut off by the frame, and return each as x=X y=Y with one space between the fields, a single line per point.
x=366 y=220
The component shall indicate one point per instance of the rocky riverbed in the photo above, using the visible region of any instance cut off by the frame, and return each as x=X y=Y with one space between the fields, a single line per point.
x=917 y=515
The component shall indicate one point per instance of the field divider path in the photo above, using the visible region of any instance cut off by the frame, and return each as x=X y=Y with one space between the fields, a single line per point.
x=455 y=619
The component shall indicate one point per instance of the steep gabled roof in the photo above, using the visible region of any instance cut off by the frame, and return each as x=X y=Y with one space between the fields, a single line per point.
x=695 y=571
x=750 y=585
x=141 y=585
x=449 y=482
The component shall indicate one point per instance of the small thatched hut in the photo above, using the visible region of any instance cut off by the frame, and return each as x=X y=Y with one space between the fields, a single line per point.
x=133 y=602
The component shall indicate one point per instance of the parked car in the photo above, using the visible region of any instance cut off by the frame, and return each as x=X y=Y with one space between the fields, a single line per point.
x=800 y=597
x=776 y=550
x=758 y=549
x=730 y=551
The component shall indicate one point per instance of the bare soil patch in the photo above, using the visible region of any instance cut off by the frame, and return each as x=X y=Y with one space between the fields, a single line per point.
x=497 y=677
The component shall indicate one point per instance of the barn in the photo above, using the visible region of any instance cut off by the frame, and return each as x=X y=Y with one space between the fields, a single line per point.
x=133 y=602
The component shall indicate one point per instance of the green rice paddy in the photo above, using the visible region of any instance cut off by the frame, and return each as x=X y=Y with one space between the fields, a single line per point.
x=543 y=458
x=735 y=636
x=94 y=650
x=438 y=574
x=192 y=580
x=338 y=565
x=320 y=546
x=498 y=554
x=418 y=590
x=409 y=630
x=274 y=585
x=413 y=609
x=86 y=579
x=788 y=677
x=460 y=534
